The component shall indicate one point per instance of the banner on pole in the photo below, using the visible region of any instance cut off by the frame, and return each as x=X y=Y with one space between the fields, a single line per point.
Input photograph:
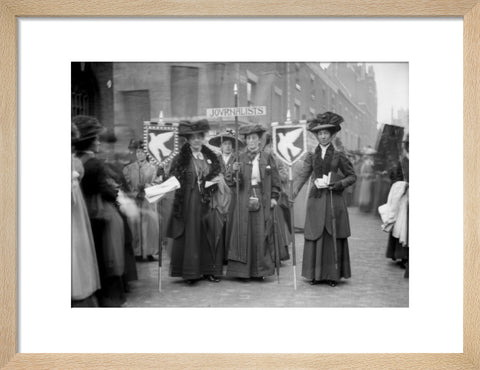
x=214 y=113
x=289 y=142
x=161 y=142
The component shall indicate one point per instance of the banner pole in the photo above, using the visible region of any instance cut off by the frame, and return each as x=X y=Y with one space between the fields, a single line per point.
x=237 y=184
x=292 y=218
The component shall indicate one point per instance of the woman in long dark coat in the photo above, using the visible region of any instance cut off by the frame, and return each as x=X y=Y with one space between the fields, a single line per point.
x=318 y=254
x=251 y=254
x=192 y=255
x=227 y=143
x=107 y=225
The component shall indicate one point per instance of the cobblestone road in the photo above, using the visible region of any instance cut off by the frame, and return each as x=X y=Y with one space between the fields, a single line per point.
x=375 y=282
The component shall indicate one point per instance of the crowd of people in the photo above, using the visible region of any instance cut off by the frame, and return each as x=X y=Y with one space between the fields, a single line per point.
x=229 y=214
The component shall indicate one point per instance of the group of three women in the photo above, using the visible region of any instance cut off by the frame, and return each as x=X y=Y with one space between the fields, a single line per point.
x=248 y=242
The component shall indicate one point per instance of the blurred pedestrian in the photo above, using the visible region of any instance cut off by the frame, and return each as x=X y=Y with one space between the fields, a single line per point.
x=140 y=175
x=85 y=275
x=319 y=260
x=107 y=225
x=367 y=177
x=398 y=246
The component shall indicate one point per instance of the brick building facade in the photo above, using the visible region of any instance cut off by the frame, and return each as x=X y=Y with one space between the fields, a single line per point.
x=123 y=95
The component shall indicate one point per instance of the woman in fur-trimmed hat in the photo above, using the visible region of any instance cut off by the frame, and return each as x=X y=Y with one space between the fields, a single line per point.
x=319 y=252
x=192 y=256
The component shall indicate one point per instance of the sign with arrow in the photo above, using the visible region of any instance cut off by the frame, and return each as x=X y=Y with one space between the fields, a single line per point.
x=289 y=142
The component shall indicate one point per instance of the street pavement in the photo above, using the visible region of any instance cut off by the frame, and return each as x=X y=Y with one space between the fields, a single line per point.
x=376 y=281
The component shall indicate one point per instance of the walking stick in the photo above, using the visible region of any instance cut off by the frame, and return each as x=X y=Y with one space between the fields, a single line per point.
x=237 y=185
x=292 y=218
x=275 y=243
x=334 y=229
x=160 y=250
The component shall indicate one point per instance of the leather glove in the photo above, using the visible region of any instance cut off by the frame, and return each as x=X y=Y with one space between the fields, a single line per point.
x=337 y=186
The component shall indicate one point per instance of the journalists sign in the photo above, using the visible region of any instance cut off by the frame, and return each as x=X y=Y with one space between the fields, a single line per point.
x=213 y=113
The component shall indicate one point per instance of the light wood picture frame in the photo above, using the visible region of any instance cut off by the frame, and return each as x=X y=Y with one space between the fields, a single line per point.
x=11 y=9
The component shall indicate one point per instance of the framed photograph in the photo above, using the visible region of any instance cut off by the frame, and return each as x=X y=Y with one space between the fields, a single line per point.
x=168 y=94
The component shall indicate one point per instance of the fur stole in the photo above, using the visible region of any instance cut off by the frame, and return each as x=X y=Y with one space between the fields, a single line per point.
x=179 y=170
x=323 y=166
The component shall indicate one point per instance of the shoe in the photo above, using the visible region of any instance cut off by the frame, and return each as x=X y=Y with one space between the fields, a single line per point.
x=332 y=283
x=314 y=282
x=212 y=279
x=190 y=281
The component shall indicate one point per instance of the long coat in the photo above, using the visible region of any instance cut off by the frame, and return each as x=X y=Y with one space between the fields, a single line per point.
x=192 y=255
x=107 y=228
x=319 y=216
x=252 y=244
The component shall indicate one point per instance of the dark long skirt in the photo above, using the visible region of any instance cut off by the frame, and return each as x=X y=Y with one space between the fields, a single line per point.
x=319 y=262
x=108 y=235
x=192 y=256
x=259 y=257
x=227 y=230
x=395 y=251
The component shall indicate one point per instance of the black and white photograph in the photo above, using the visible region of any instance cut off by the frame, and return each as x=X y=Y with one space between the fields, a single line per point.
x=239 y=184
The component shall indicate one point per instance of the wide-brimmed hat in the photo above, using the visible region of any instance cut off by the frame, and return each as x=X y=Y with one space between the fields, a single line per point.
x=186 y=128
x=225 y=136
x=135 y=144
x=108 y=136
x=252 y=129
x=88 y=127
x=326 y=121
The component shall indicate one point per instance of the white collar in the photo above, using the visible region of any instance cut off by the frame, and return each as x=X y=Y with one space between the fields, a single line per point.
x=198 y=155
x=324 y=148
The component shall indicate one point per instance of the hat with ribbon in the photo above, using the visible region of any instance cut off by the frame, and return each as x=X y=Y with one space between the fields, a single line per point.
x=252 y=129
x=186 y=128
x=326 y=121
x=225 y=136
x=88 y=127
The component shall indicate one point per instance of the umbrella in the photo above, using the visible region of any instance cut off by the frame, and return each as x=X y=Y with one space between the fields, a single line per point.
x=213 y=223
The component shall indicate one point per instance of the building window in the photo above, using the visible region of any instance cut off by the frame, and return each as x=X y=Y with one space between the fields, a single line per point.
x=250 y=92
x=277 y=104
x=184 y=91
x=80 y=104
x=296 y=110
